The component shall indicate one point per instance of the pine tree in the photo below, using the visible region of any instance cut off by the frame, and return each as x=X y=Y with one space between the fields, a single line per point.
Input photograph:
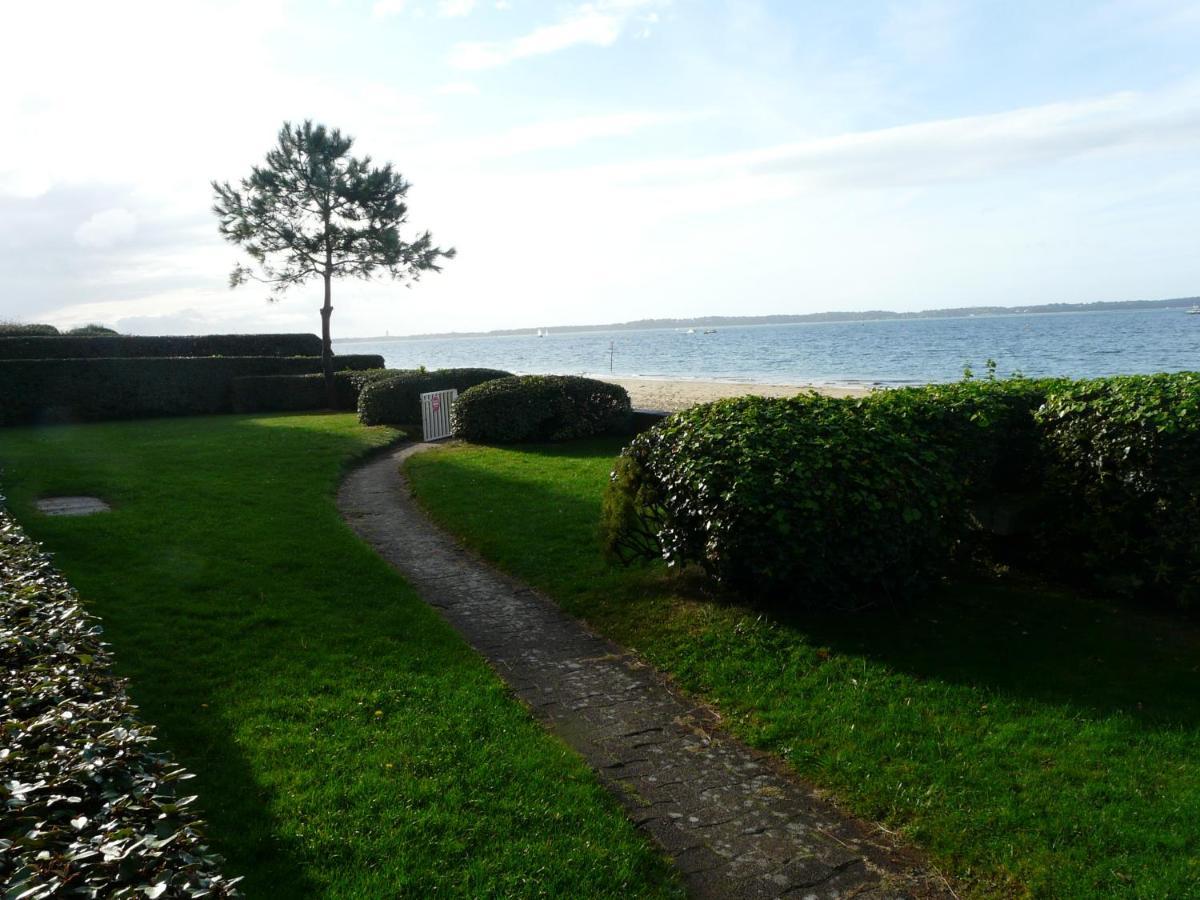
x=312 y=210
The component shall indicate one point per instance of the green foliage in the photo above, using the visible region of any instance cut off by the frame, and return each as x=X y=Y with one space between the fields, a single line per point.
x=93 y=328
x=540 y=408
x=296 y=393
x=124 y=346
x=84 y=390
x=397 y=400
x=314 y=210
x=811 y=500
x=1124 y=457
x=89 y=808
x=20 y=329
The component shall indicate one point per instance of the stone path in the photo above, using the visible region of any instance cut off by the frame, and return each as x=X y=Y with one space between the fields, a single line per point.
x=735 y=823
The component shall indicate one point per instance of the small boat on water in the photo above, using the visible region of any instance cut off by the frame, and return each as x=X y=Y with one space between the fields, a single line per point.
x=1195 y=310
x=710 y=331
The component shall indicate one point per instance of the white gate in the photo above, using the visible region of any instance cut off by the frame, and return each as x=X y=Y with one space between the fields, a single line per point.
x=435 y=414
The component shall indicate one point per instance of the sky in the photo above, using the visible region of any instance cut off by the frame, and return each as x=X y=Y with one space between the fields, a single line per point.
x=610 y=160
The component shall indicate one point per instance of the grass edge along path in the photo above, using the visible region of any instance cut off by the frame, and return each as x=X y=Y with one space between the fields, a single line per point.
x=1032 y=742
x=346 y=742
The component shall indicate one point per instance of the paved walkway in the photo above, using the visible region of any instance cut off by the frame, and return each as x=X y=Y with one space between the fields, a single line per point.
x=733 y=821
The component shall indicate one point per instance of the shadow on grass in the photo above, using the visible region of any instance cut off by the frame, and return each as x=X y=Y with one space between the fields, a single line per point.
x=1011 y=636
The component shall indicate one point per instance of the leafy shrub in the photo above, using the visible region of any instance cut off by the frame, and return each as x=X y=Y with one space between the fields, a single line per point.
x=540 y=408
x=817 y=500
x=19 y=329
x=295 y=393
x=1124 y=457
x=123 y=346
x=88 y=390
x=89 y=809
x=93 y=329
x=397 y=400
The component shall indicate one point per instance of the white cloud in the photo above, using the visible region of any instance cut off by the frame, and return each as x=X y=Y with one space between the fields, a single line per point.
x=458 y=87
x=454 y=9
x=592 y=24
x=104 y=229
x=382 y=9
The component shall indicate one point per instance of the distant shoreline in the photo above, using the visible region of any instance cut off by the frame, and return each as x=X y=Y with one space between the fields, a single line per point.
x=741 y=321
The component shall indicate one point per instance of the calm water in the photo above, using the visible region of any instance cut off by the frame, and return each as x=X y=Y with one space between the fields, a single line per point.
x=883 y=352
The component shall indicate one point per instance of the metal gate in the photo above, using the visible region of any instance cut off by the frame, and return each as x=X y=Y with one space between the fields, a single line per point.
x=435 y=414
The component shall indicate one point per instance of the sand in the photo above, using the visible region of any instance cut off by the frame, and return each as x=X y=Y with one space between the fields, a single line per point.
x=651 y=393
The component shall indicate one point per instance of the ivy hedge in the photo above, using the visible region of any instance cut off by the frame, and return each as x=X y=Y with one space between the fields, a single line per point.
x=1123 y=471
x=126 y=346
x=846 y=502
x=397 y=400
x=540 y=408
x=90 y=810
x=296 y=393
x=88 y=390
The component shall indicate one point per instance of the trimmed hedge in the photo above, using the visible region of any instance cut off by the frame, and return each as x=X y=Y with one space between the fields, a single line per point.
x=841 y=502
x=1124 y=472
x=296 y=393
x=89 y=809
x=127 y=346
x=89 y=390
x=397 y=401
x=19 y=329
x=540 y=408
x=815 y=500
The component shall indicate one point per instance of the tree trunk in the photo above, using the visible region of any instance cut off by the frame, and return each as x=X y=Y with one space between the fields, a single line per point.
x=327 y=346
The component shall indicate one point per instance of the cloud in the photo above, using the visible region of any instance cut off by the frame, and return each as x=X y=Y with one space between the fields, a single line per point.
x=385 y=8
x=454 y=9
x=592 y=24
x=104 y=229
x=458 y=87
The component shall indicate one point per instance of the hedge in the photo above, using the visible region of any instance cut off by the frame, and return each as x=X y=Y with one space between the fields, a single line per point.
x=89 y=809
x=841 y=502
x=397 y=401
x=1124 y=476
x=87 y=390
x=540 y=408
x=19 y=329
x=126 y=346
x=295 y=393
x=809 y=500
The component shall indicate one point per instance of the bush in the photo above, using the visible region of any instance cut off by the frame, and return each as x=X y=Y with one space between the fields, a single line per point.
x=89 y=809
x=124 y=346
x=17 y=329
x=1124 y=456
x=397 y=400
x=93 y=330
x=816 y=500
x=540 y=408
x=295 y=393
x=88 y=390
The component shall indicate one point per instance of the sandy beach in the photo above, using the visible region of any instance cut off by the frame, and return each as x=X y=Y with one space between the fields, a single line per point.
x=652 y=393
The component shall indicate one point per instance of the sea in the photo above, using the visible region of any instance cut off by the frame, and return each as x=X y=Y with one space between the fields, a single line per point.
x=883 y=352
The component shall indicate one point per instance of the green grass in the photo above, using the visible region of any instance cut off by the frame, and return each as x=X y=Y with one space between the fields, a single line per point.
x=1032 y=742
x=346 y=742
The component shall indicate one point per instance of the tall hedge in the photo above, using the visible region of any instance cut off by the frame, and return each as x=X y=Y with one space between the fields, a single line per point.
x=1124 y=474
x=90 y=809
x=397 y=401
x=25 y=329
x=296 y=393
x=809 y=500
x=540 y=408
x=88 y=390
x=125 y=346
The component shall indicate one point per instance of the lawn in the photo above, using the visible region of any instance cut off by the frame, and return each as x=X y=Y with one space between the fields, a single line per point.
x=1033 y=742
x=346 y=742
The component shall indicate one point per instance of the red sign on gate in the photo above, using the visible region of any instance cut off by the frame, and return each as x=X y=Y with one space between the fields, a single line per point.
x=435 y=402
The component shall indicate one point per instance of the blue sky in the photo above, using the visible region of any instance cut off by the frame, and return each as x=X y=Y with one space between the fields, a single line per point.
x=615 y=159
